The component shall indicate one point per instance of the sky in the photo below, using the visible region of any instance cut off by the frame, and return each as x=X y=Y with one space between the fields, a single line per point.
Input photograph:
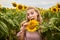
x=35 y=3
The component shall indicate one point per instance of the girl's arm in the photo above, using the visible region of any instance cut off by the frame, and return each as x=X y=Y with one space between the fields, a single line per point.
x=21 y=29
x=21 y=33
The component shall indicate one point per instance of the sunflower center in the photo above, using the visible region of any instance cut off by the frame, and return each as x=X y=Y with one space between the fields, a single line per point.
x=54 y=9
x=32 y=27
x=58 y=6
x=25 y=7
x=14 y=5
x=20 y=6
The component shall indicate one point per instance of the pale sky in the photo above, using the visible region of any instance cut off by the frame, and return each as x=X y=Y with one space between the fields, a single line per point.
x=36 y=3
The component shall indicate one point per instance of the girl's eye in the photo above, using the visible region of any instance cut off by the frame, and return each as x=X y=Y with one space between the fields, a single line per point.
x=28 y=14
x=32 y=13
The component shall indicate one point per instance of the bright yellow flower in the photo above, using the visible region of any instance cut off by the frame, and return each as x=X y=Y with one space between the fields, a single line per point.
x=19 y=7
x=32 y=26
x=54 y=9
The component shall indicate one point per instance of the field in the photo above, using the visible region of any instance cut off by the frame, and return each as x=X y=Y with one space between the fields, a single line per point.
x=10 y=19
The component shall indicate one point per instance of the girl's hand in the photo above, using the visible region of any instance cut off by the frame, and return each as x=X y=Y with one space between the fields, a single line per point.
x=22 y=30
x=25 y=24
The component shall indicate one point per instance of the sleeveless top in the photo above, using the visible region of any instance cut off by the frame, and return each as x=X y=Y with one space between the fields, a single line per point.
x=33 y=36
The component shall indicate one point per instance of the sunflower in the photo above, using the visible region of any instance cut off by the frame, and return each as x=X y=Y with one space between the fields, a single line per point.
x=54 y=9
x=25 y=7
x=58 y=5
x=14 y=4
x=32 y=26
x=19 y=7
x=58 y=9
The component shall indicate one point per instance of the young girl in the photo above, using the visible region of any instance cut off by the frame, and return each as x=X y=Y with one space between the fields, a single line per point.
x=32 y=14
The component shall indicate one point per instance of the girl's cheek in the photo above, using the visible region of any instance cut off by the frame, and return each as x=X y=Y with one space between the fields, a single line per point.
x=28 y=17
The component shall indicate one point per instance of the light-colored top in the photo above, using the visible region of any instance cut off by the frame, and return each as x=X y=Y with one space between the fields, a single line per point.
x=32 y=36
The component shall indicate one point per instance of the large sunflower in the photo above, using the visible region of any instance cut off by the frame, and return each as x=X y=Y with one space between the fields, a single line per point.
x=32 y=26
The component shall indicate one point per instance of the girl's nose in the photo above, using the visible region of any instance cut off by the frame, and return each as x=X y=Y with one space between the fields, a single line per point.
x=30 y=16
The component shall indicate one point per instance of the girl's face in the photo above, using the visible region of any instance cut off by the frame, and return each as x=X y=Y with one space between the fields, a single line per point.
x=32 y=14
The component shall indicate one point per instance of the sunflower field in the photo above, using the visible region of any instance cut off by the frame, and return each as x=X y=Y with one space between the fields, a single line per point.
x=10 y=19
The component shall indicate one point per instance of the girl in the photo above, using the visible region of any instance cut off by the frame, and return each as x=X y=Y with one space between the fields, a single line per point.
x=32 y=13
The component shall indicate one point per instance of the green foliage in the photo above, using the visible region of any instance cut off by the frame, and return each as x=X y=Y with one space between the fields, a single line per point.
x=10 y=23
x=51 y=29
x=10 y=20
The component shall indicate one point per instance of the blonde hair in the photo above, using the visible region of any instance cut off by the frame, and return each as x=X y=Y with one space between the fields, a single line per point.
x=39 y=15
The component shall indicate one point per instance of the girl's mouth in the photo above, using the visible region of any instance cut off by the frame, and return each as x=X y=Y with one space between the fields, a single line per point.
x=32 y=19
